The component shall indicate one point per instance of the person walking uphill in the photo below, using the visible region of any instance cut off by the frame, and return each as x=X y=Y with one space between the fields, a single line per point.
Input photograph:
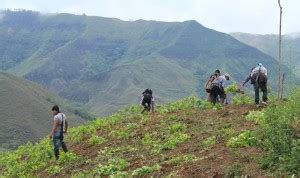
x=60 y=126
x=208 y=85
x=259 y=80
x=218 y=88
x=147 y=100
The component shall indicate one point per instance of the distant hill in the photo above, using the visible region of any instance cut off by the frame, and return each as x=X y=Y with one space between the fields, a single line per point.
x=269 y=45
x=25 y=111
x=105 y=63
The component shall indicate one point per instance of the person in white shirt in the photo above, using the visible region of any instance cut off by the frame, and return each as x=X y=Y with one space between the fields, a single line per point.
x=59 y=128
x=259 y=80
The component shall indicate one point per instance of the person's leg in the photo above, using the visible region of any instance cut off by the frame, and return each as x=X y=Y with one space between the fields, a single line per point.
x=56 y=146
x=149 y=106
x=256 y=90
x=222 y=96
x=64 y=146
x=214 y=95
x=265 y=93
x=144 y=105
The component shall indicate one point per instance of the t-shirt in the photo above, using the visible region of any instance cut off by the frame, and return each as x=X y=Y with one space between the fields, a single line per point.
x=220 y=81
x=59 y=117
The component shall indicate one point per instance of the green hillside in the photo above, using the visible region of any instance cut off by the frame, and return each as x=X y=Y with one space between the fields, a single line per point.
x=105 y=63
x=25 y=111
x=269 y=45
x=187 y=138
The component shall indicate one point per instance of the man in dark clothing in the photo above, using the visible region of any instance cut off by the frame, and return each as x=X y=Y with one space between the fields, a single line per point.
x=258 y=78
x=218 y=88
x=59 y=128
x=147 y=100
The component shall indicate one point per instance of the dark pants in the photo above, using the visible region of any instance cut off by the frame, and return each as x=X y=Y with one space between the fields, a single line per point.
x=57 y=141
x=264 y=89
x=147 y=104
x=215 y=92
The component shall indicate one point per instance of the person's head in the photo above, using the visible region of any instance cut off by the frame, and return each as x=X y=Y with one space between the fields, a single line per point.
x=227 y=76
x=259 y=65
x=217 y=72
x=55 y=110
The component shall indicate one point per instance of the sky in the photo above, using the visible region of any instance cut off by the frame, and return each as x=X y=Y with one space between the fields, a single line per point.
x=249 y=16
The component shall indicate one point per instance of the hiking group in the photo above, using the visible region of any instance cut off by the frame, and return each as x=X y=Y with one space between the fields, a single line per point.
x=258 y=76
x=215 y=87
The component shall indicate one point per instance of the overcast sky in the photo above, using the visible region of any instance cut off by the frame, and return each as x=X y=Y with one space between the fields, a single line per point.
x=252 y=16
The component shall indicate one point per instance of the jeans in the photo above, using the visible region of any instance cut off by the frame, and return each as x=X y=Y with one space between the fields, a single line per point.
x=263 y=89
x=57 y=141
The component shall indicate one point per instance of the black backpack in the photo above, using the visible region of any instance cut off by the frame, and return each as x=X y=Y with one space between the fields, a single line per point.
x=147 y=93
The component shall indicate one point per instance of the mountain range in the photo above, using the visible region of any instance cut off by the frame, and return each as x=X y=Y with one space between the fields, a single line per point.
x=104 y=63
x=269 y=45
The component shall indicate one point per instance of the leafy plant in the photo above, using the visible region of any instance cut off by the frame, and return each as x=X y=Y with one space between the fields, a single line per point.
x=209 y=142
x=146 y=170
x=256 y=116
x=114 y=165
x=177 y=127
x=182 y=159
x=96 y=140
x=242 y=99
x=54 y=169
x=245 y=139
x=66 y=158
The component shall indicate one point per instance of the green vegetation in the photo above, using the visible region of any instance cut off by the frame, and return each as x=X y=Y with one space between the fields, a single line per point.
x=167 y=143
x=182 y=159
x=114 y=166
x=96 y=140
x=279 y=135
x=145 y=170
x=209 y=142
x=245 y=139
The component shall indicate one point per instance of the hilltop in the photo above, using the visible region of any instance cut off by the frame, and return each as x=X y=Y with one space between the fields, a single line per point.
x=105 y=63
x=186 y=138
x=25 y=111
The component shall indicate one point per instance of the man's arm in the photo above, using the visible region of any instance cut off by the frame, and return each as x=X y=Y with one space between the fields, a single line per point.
x=247 y=79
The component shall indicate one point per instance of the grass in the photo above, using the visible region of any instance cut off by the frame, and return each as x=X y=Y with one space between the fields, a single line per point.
x=167 y=143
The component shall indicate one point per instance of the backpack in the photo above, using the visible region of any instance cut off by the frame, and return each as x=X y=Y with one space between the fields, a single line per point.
x=147 y=93
x=209 y=85
x=260 y=78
